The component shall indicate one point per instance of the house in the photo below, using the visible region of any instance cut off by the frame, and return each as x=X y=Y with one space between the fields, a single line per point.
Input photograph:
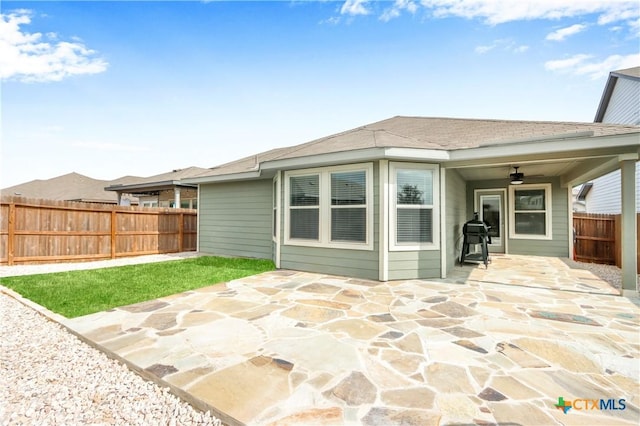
x=69 y=187
x=620 y=104
x=388 y=200
x=163 y=190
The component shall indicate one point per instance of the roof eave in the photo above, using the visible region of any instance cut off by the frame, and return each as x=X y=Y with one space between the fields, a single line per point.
x=358 y=155
x=606 y=97
x=149 y=185
x=548 y=147
x=223 y=178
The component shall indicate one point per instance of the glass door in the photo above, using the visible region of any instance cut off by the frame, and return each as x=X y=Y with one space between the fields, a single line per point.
x=492 y=213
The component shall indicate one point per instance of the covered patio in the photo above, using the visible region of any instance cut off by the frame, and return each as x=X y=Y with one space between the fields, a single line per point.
x=483 y=346
x=490 y=190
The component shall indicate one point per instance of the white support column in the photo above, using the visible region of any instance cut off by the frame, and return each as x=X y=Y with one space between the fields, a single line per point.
x=383 y=229
x=176 y=197
x=629 y=235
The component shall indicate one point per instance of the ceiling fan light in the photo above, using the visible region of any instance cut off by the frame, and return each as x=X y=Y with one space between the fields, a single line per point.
x=517 y=178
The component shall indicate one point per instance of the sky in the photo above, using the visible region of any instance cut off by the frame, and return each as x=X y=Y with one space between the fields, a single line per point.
x=108 y=89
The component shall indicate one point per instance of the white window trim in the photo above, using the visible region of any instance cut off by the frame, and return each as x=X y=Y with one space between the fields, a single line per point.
x=548 y=197
x=275 y=233
x=393 y=197
x=324 y=231
x=276 y=218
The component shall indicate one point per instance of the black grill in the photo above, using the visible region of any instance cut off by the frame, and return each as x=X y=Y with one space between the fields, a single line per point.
x=475 y=232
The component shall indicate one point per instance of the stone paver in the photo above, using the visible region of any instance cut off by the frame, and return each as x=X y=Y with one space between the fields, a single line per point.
x=291 y=348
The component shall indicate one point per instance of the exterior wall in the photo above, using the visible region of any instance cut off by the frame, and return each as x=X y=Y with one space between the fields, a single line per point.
x=418 y=264
x=623 y=105
x=558 y=246
x=456 y=215
x=406 y=265
x=235 y=219
x=604 y=196
x=352 y=263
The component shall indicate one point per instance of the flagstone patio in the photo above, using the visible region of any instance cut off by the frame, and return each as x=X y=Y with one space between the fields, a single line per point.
x=290 y=348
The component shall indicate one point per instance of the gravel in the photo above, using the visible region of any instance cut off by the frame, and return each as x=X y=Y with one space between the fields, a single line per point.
x=609 y=273
x=49 y=377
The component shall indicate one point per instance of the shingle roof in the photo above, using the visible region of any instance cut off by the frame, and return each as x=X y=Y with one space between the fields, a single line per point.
x=173 y=175
x=426 y=133
x=69 y=187
x=629 y=72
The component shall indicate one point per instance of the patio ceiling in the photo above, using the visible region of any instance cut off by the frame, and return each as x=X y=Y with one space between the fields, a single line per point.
x=537 y=168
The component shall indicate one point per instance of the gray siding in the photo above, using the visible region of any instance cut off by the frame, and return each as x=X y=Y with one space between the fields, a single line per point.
x=352 y=263
x=559 y=245
x=235 y=219
x=623 y=105
x=605 y=195
x=456 y=215
x=406 y=265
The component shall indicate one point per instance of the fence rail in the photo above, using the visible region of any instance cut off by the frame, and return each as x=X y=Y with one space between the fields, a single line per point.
x=597 y=238
x=44 y=231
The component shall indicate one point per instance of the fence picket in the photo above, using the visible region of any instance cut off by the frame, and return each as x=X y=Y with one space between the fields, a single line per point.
x=43 y=231
x=597 y=238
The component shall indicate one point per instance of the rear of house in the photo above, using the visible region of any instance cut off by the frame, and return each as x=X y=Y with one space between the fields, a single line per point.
x=388 y=200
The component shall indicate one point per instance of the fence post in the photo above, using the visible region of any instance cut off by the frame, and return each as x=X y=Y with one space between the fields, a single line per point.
x=11 y=234
x=181 y=233
x=113 y=233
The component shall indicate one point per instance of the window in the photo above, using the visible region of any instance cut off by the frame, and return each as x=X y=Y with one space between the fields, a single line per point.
x=330 y=207
x=304 y=210
x=349 y=206
x=414 y=216
x=530 y=211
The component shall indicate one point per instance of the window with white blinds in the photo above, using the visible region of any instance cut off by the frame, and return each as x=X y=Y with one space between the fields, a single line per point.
x=414 y=209
x=330 y=207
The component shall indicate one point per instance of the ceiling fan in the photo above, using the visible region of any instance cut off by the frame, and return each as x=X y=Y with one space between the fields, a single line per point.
x=516 y=177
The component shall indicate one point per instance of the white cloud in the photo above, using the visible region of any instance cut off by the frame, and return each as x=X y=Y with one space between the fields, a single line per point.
x=106 y=146
x=397 y=8
x=36 y=58
x=354 y=7
x=507 y=45
x=562 y=33
x=581 y=65
x=501 y=11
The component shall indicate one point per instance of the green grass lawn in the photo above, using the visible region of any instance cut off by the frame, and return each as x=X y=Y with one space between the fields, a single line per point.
x=78 y=293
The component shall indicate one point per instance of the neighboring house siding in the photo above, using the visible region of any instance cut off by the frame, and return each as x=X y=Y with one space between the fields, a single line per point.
x=558 y=246
x=456 y=211
x=604 y=196
x=623 y=105
x=235 y=219
x=352 y=263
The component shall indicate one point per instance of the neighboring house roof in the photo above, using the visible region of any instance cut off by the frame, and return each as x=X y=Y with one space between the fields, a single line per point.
x=629 y=74
x=442 y=136
x=163 y=180
x=69 y=187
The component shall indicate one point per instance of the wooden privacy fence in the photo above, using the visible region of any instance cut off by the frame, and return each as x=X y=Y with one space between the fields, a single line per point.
x=597 y=238
x=44 y=231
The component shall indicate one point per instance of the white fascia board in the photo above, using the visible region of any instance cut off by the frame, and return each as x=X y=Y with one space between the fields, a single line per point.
x=223 y=178
x=319 y=160
x=417 y=154
x=355 y=156
x=545 y=147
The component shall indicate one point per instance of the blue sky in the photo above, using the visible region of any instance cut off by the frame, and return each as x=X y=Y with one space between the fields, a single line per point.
x=108 y=89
